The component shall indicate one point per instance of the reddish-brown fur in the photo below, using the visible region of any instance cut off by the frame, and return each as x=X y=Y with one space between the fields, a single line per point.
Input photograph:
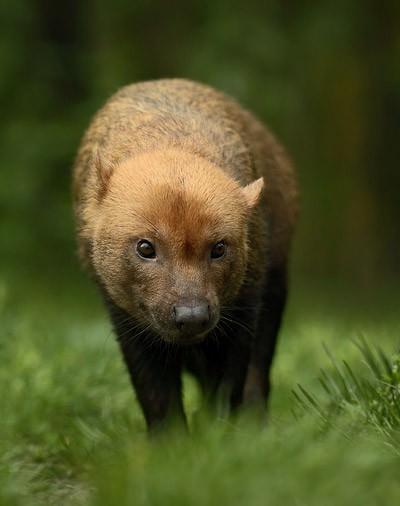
x=183 y=166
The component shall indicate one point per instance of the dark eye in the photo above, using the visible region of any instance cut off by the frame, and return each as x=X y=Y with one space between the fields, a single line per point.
x=218 y=250
x=145 y=249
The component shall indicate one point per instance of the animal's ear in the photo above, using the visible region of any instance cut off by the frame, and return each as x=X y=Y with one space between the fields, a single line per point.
x=104 y=170
x=252 y=192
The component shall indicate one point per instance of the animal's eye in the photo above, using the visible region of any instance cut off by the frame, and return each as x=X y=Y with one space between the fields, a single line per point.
x=145 y=249
x=218 y=250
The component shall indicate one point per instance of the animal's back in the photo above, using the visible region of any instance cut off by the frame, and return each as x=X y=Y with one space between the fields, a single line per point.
x=183 y=114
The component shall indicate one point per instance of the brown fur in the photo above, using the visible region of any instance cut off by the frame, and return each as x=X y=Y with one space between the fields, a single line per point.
x=180 y=164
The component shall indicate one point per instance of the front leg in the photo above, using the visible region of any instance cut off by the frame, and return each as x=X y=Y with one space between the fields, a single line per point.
x=155 y=371
x=239 y=326
x=220 y=363
x=257 y=387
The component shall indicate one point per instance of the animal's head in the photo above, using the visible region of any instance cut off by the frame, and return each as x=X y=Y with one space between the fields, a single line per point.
x=170 y=241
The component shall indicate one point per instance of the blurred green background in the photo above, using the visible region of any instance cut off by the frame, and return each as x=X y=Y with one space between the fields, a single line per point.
x=324 y=75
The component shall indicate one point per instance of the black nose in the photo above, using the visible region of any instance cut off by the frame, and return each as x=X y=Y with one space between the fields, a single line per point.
x=192 y=319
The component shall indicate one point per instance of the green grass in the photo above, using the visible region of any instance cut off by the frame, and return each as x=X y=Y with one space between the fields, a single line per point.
x=71 y=432
x=371 y=398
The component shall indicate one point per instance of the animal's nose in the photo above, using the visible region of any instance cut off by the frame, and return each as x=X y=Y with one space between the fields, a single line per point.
x=192 y=319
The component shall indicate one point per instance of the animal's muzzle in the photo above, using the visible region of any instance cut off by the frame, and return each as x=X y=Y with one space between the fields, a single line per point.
x=192 y=319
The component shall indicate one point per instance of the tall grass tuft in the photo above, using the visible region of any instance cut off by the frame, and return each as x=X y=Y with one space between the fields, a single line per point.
x=371 y=396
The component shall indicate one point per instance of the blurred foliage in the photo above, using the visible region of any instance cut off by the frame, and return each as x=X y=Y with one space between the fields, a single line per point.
x=324 y=75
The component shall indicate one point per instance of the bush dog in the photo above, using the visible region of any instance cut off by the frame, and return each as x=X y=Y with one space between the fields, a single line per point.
x=185 y=208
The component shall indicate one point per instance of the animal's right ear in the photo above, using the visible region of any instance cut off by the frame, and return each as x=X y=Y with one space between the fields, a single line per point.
x=104 y=170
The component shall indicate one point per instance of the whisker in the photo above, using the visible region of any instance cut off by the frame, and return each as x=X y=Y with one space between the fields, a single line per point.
x=131 y=330
x=238 y=323
x=238 y=308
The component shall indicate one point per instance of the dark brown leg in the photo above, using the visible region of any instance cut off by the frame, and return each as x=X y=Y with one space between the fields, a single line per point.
x=220 y=363
x=154 y=369
x=242 y=328
x=257 y=384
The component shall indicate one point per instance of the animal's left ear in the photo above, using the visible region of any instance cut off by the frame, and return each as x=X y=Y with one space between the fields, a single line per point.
x=104 y=171
x=252 y=192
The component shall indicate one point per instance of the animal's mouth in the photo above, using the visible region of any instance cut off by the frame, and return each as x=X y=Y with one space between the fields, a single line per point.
x=170 y=331
x=182 y=338
x=187 y=340
x=193 y=339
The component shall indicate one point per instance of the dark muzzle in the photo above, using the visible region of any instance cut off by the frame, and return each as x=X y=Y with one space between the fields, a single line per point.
x=192 y=319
